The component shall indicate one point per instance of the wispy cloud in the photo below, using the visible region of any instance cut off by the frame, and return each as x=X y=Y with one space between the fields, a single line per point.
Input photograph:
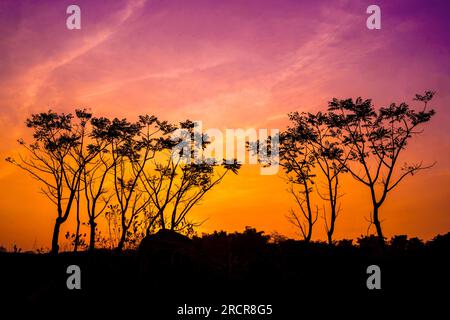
x=33 y=80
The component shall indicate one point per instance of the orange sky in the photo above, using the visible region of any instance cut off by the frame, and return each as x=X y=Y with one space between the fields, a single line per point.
x=230 y=65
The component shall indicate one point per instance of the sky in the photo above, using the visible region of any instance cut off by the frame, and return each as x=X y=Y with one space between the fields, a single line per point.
x=230 y=64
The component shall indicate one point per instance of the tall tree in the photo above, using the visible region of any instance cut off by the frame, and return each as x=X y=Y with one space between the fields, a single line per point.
x=133 y=146
x=176 y=182
x=53 y=158
x=298 y=162
x=320 y=142
x=373 y=140
x=96 y=177
x=81 y=154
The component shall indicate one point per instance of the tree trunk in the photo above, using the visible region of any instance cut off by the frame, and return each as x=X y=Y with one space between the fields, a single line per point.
x=55 y=238
x=331 y=231
x=310 y=215
x=77 y=233
x=375 y=218
x=333 y=199
x=93 y=225
x=308 y=236
x=377 y=223
x=161 y=215
x=121 y=241
x=332 y=223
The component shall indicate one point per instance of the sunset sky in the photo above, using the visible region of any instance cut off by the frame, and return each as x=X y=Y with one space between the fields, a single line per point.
x=231 y=64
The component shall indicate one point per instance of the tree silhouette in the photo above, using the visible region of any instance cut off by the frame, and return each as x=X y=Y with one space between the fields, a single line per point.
x=176 y=182
x=324 y=148
x=372 y=141
x=56 y=159
x=82 y=154
x=298 y=162
x=142 y=176
x=124 y=170
x=97 y=190
x=133 y=145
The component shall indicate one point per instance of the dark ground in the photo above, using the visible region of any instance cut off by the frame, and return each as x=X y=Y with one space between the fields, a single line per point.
x=170 y=270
